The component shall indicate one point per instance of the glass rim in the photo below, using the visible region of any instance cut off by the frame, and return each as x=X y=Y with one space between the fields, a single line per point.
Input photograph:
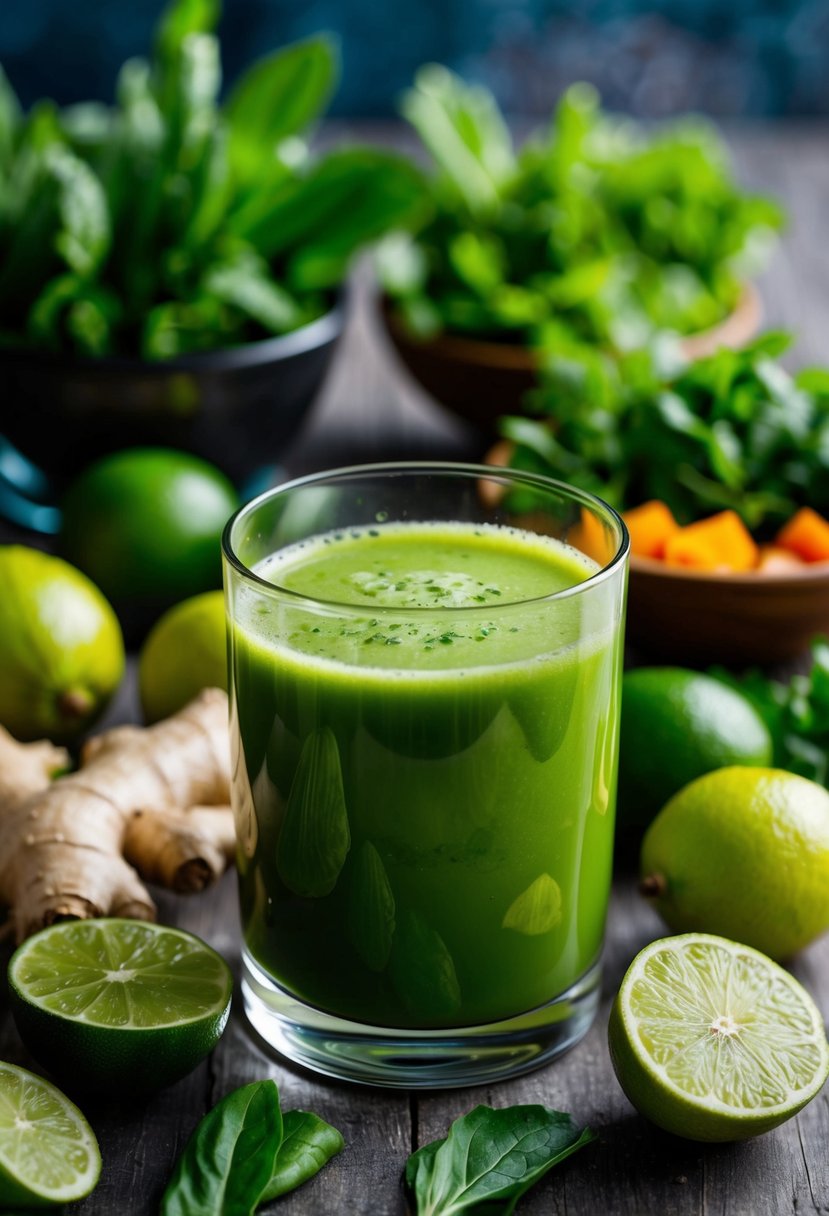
x=447 y=468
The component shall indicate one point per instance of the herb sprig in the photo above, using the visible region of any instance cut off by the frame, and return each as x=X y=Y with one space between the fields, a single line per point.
x=734 y=430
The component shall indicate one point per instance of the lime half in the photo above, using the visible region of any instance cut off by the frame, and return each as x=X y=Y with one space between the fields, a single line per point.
x=110 y=1003
x=713 y=1041
x=48 y=1151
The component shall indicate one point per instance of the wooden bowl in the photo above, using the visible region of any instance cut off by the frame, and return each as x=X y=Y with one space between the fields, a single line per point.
x=691 y=617
x=481 y=381
x=686 y=616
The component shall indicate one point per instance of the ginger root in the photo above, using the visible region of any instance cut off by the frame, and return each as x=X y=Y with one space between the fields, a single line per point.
x=147 y=803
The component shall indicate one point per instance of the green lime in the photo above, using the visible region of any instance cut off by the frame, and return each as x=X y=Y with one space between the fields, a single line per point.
x=677 y=725
x=61 y=650
x=743 y=852
x=713 y=1041
x=48 y=1151
x=185 y=652
x=146 y=524
x=118 y=1004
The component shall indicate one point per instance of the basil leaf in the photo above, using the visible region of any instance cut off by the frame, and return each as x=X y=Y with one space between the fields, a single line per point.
x=491 y=1157
x=279 y=96
x=245 y=283
x=181 y=19
x=465 y=133
x=229 y=1160
x=308 y=1142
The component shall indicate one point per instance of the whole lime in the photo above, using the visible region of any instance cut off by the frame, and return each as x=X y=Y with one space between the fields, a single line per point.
x=743 y=853
x=146 y=525
x=61 y=650
x=677 y=725
x=185 y=652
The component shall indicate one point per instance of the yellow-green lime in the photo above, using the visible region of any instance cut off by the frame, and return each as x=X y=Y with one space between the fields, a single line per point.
x=675 y=726
x=713 y=1041
x=185 y=652
x=48 y=1151
x=118 y=1005
x=146 y=524
x=743 y=852
x=61 y=650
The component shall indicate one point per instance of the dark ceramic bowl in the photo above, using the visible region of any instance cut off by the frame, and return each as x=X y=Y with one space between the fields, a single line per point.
x=481 y=380
x=237 y=407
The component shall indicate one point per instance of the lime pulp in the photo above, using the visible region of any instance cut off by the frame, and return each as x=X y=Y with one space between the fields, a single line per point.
x=712 y=1040
x=48 y=1152
x=108 y=1002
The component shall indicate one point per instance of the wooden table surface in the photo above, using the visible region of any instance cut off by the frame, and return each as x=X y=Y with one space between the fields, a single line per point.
x=369 y=411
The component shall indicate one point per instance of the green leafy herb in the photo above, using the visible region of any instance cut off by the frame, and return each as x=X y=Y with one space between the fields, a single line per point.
x=308 y=1142
x=797 y=713
x=606 y=231
x=229 y=1160
x=490 y=1159
x=170 y=223
x=734 y=430
x=245 y=1153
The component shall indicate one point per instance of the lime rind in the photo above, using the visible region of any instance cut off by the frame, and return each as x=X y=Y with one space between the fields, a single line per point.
x=725 y=1042
x=155 y=977
x=48 y=1150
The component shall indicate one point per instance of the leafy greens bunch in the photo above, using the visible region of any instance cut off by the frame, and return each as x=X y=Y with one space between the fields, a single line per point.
x=734 y=430
x=169 y=223
x=605 y=232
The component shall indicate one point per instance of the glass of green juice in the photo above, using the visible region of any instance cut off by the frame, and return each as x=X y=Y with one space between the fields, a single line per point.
x=425 y=672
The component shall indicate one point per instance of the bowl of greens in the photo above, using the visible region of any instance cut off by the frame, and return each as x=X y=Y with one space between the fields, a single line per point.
x=594 y=231
x=172 y=266
x=720 y=468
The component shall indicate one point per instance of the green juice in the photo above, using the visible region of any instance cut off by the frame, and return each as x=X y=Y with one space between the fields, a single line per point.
x=425 y=759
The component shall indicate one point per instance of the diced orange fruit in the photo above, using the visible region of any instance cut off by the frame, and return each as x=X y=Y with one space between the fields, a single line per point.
x=774 y=560
x=807 y=535
x=651 y=526
x=721 y=542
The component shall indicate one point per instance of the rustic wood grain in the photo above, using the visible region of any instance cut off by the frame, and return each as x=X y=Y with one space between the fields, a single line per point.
x=369 y=411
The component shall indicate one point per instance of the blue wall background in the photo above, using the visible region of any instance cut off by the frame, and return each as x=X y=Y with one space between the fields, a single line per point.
x=725 y=57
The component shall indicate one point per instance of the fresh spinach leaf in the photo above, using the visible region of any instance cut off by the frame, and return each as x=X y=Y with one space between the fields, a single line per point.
x=490 y=1159
x=308 y=1142
x=278 y=97
x=230 y=1158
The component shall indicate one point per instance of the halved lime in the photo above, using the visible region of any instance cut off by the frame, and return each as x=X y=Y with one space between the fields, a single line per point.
x=48 y=1151
x=110 y=1003
x=713 y=1041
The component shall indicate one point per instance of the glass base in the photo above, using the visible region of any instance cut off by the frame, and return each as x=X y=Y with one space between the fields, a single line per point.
x=417 y=1059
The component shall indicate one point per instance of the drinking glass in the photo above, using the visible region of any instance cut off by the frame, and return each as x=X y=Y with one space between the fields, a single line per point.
x=424 y=766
